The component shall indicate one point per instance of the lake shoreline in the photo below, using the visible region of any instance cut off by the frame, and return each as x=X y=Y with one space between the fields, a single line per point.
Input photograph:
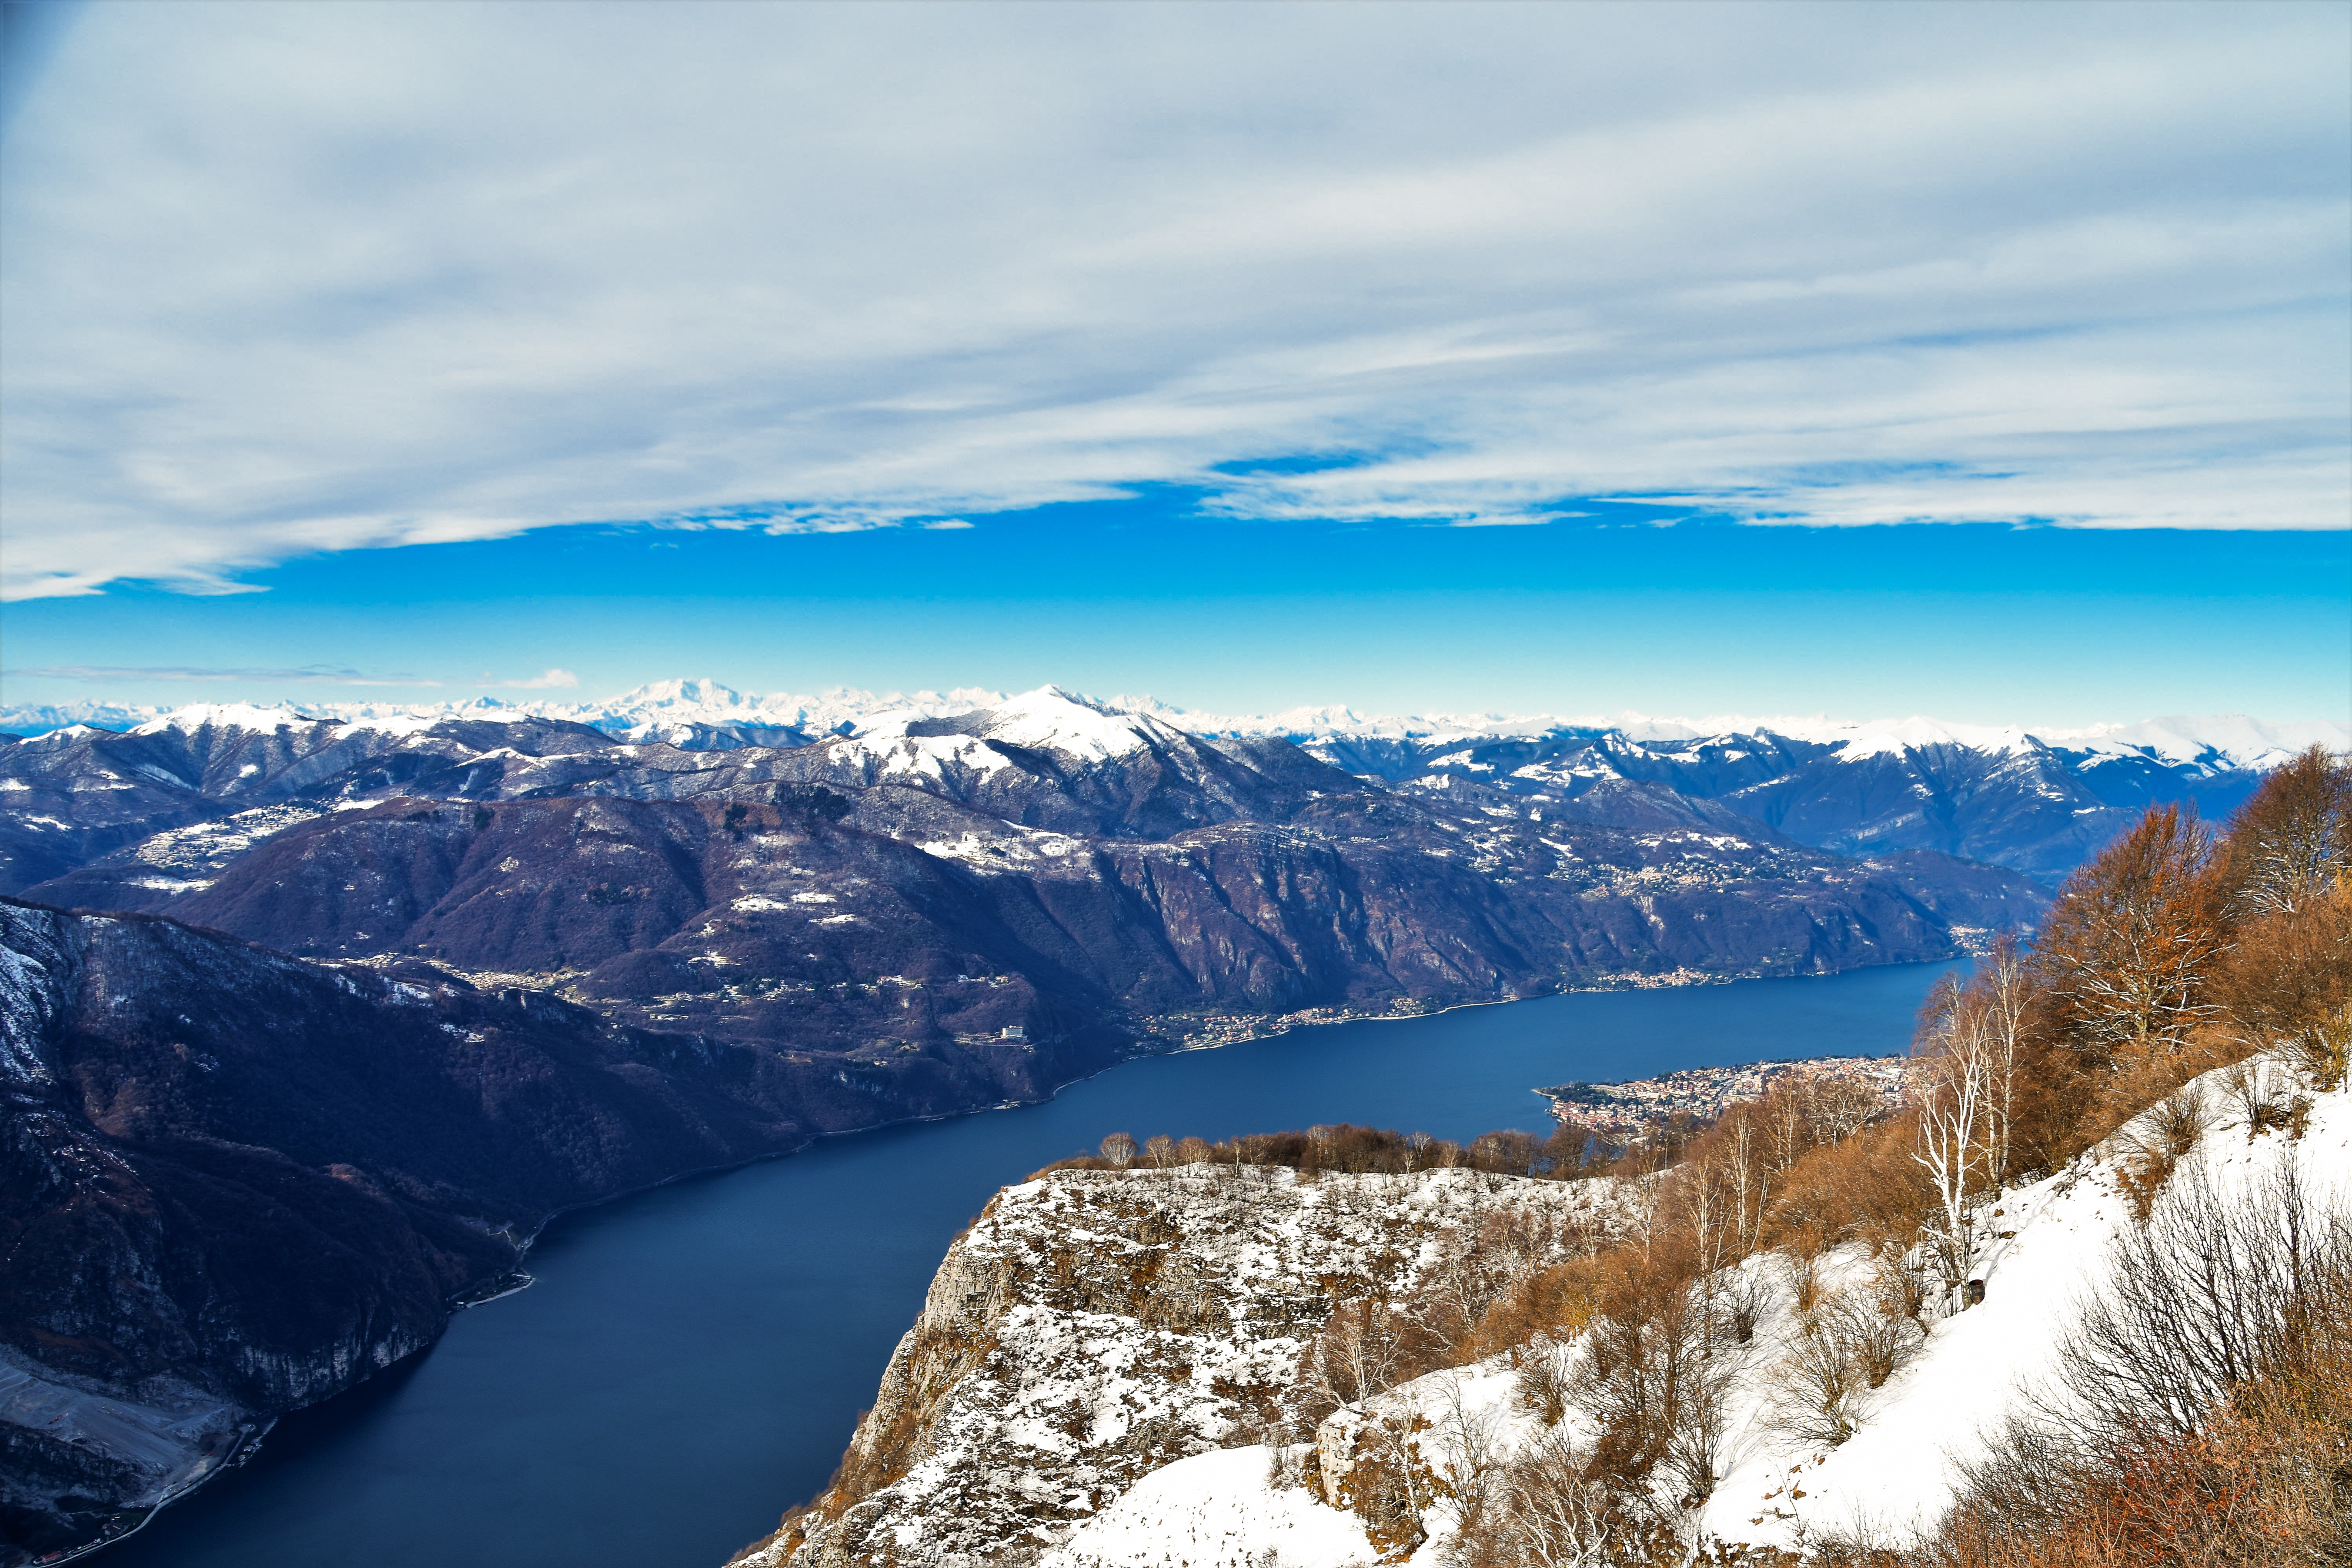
x=791 y=1259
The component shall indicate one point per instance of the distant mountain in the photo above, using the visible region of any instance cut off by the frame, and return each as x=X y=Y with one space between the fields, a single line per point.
x=679 y=711
x=1048 y=860
x=2037 y=803
x=2005 y=798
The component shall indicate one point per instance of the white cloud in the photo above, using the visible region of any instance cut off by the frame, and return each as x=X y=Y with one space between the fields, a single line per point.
x=280 y=280
x=545 y=680
x=315 y=674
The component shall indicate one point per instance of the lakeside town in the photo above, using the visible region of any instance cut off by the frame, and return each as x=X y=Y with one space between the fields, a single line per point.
x=1704 y=1093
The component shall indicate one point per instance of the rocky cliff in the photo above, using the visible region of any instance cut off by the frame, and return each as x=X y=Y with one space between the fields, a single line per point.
x=1094 y=1325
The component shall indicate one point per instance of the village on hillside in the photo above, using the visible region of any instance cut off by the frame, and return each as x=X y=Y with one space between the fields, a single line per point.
x=1704 y=1093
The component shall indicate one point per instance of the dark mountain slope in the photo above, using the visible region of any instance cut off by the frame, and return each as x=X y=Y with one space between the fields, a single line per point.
x=2036 y=808
x=233 y=1178
x=799 y=924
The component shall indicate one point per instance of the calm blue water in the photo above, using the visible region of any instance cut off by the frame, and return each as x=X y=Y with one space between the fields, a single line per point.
x=692 y=1359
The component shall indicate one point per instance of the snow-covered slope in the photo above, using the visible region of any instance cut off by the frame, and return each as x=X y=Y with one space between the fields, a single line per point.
x=2049 y=1251
x=910 y=740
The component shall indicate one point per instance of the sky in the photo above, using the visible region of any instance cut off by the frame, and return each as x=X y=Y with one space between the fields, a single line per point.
x=1988 y=361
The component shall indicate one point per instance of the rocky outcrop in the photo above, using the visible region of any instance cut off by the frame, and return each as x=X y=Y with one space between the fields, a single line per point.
x=1094 y=1325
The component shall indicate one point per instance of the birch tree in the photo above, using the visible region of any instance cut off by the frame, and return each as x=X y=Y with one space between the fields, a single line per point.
x=2004 y=988
x=1949 y=1083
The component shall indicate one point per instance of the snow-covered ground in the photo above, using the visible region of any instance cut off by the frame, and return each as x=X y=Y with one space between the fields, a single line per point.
x=2050 y=1251
x=1217 y=1510
x=2047 y=1251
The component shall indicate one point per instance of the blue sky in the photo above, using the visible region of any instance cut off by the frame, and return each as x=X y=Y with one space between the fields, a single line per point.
x=1998 y=357
x=1979 y=623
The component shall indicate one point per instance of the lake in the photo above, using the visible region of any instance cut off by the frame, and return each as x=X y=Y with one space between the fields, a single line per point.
x=692 y=1358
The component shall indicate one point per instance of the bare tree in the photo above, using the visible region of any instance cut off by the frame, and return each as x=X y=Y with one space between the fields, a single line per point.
x=2005 y=988
x=1545 y=1513
x=1747 y=1174
x=1358 y=1353
x=1707 y=1207
x=1472 y=1456
x=1852 y=1342
x=1949 y=1083
x=1837 y=1107
x=1659 y=1393
x=2210 y=1294
x=1160 y=1150
x=1642 y=1195
x=2293 y=841
x=1118 y=1148
x=1787 y=1130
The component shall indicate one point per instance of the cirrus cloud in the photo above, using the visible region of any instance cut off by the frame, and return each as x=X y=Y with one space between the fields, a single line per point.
x=281 y=280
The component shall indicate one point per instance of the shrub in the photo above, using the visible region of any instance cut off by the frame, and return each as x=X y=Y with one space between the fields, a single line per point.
x=1547 y=1511
x=1866 y=1188
x=2205 y=1414
x=2168 y=1130
x=1655 y=1380
x=1544 y=1381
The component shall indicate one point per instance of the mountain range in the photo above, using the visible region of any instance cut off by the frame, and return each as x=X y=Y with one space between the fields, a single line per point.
x=310 y=1020
x=702 y=714
x=2030 y=801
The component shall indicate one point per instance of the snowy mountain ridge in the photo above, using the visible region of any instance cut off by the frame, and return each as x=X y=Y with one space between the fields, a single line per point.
x=688 y=712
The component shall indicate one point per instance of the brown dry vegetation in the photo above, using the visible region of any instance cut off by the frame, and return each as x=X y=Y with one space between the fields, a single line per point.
x=1566 y=1154
x=2175 y=952
x=2210 y=1416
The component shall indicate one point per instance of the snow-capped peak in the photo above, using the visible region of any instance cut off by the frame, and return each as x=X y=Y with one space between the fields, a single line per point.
x=1055 y=719
x=703 y=699
x=1896 y=735
x=1046 y=719
x=1052 y=719
x=2222 y=740
x=229 y=715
